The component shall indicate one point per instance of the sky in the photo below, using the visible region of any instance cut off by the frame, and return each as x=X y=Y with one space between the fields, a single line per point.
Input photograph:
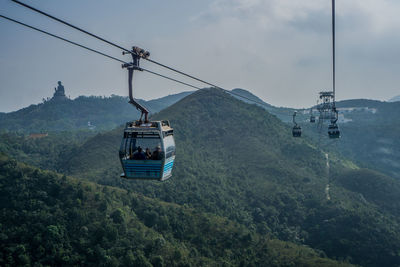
x=280 y=50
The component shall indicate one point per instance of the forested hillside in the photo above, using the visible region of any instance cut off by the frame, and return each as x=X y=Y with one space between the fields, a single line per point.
x=372 y=139
x=369 y=131
x=370 y=135
x=238 y=161
x=45 y=152
x=53 y=220
x=284 y=114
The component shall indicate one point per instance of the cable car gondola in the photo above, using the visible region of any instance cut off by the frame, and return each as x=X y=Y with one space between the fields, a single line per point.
x=312 y=117
x=333 y=131
x=296 y=131
x=147 y=148
x=155 y=138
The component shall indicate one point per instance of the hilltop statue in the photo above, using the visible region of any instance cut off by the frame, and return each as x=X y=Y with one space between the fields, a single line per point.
x=60 y=88
x=59 y=92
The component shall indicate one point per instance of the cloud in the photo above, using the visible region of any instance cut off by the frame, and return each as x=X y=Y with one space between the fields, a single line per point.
x=377 y=16
x=281 y=49
x=278 y=49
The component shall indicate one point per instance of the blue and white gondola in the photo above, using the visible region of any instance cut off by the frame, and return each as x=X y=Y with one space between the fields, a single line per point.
x=152 y=135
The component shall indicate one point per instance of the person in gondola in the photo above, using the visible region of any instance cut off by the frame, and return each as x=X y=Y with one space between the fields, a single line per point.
x=157 y=154
x=139 y=155
x=131 y=155
x=148 y=153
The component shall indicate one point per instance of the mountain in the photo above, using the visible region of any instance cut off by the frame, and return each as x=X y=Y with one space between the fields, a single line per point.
x=166 y=101
x=378 y=149
x=94 y=112
x=284 y=114
x=52 y=220
x=372 y=139
x=99 y=113
x=369 y=134
x=249 y=97
x=238 y=161
x=395 y=99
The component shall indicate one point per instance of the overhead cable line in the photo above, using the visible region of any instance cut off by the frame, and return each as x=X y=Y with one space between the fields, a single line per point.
x=171 y=79
x=110 y=43
x=215 y=86
x=95 y=51
x=61 y=38
x=185 y=74
x=333 y=54
x=129 y=51
x=70 y=25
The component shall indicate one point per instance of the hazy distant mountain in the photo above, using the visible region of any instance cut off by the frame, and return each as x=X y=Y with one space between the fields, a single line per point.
x=284 y=114
x=93 y=112
x=100 y=113
x=166 y=101
x=249 y=97
x=370 y=136
x=370 y=132
x=395 y=99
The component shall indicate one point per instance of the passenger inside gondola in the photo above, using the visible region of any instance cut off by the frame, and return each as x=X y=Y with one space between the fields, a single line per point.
x=157 y=154
x=139 y=154
x=148 y=153
x=141 y=146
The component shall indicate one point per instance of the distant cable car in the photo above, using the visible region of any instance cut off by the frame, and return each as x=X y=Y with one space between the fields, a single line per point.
x=147 y=150
x=312 y=117
x=333 y=131
x=296 y=131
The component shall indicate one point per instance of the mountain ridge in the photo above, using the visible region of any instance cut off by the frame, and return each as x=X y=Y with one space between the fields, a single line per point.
x=104 y=113
x=356 y=116
x=395 y=99
x=239 y=161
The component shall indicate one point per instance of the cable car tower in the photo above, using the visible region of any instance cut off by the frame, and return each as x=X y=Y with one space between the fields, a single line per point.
x=296 y=131
x=328 y=112
x=327 y=103
x=329 y=98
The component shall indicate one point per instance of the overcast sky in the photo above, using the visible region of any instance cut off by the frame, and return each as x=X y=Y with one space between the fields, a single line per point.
x=279 y=50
